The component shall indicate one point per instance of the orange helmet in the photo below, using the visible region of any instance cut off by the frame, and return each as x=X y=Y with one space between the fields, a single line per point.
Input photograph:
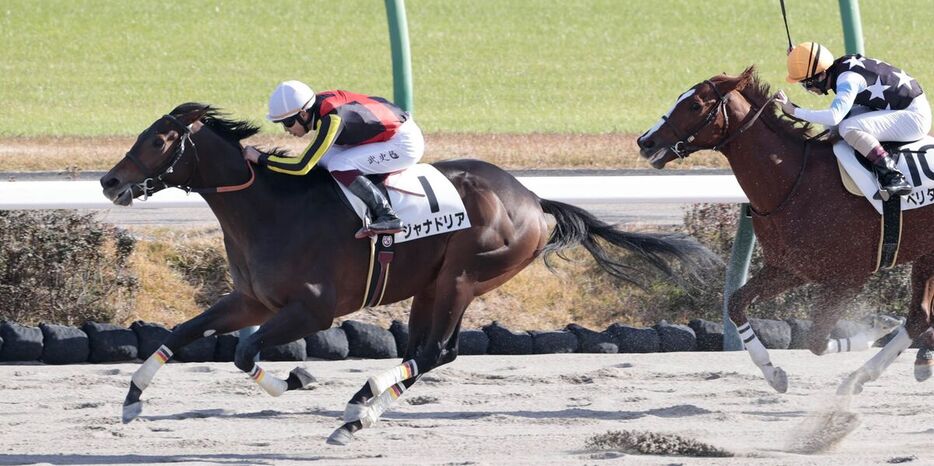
x=806 y=60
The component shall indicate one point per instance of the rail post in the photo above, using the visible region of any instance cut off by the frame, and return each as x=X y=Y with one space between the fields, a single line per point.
x=401 y=58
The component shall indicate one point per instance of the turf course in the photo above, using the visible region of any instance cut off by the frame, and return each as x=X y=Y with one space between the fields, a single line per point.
x=100 y=67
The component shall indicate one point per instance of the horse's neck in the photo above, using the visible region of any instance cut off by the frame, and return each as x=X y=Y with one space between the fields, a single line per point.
x=766 y=165
x=221 y=165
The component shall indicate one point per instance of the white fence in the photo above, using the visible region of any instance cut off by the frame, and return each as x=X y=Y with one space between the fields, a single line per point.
x=684 y=189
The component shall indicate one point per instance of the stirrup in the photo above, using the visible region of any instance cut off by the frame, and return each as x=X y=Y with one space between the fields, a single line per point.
x=367 y=230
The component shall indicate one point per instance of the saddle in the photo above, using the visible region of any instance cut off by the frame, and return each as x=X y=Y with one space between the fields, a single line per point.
x=915 y=160
x=428 y=204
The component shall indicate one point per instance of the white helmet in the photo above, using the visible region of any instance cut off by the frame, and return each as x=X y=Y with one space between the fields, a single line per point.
x=289 y=98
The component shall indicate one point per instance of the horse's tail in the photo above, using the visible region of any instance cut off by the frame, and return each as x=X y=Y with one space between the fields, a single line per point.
x=577 y=226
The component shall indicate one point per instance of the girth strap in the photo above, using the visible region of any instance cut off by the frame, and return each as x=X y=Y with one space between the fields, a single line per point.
x=382 y=251
x=891 y=236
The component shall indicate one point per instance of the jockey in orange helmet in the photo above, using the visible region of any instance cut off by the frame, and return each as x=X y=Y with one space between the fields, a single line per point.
x=355 y=135
x=874 y=101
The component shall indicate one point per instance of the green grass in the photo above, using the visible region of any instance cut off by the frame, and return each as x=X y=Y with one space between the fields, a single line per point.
x=97 y=67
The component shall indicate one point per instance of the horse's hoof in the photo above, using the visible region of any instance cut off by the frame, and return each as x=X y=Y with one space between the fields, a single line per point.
x=778 y=380
x=922 y=372
x=883 y=325
x=341 y=436
x=132 y=411
x=853 y=384
x=924 y=364
x=303 y=376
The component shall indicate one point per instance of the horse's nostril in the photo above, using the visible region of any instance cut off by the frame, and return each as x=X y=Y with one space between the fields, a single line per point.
x=646 y=143
x=109 y=182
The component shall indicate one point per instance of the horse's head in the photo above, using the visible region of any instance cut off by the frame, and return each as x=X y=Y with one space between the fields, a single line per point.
x=153 y=163
x=699 y=120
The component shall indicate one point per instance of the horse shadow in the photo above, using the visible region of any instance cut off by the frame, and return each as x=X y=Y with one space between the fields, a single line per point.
x=216 y=458
x=677 y=411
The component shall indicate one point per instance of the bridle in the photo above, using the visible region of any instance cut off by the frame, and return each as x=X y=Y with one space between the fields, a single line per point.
x=683 y=147
x=155 y=181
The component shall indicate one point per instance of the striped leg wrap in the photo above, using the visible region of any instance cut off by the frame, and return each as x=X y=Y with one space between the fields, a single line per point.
x=273 y=385
x=755 y=347
x=837 y=345
x=383 y=382
x=144 y=375
x=370 y=412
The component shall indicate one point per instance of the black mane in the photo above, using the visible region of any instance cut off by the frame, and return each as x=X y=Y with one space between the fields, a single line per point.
x=230 y=130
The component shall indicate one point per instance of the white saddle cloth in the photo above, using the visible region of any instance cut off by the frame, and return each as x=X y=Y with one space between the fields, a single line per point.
x=425 y=200
x=917 y=166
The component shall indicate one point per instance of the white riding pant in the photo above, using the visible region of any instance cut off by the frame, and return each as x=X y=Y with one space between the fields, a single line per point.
x=403 y=150
x=865 y=129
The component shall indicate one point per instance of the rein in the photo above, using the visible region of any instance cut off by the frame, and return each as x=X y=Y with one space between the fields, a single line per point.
x=683 y=147
x=153 y=181
x=794 y=187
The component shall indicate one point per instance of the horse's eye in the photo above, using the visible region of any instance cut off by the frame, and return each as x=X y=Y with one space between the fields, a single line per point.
x=157 y=143
x=695 y=106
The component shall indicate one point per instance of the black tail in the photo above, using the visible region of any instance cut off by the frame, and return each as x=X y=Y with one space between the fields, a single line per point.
x=577 y=226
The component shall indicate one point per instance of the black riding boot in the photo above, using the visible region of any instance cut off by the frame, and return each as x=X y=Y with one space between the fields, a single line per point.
x=890 y=178
x=384 y=218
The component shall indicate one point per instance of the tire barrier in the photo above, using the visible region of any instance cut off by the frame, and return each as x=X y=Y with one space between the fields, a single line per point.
x=105 y=343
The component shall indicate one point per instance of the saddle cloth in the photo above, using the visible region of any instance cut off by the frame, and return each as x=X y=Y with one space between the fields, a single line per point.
x=425 y=200
x=915 y=161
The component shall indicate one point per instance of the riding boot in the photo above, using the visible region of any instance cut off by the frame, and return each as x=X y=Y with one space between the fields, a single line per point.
x=385 y=220
x=890 y=178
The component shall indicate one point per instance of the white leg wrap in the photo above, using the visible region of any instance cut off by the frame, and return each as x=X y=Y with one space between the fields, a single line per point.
x=273 y=385
x=380 y=383
x=859 y=342
x=355 y=412
x=370 y=412
x=862 y=341
x=884 y=358
x=757 y=351
x=144 y=375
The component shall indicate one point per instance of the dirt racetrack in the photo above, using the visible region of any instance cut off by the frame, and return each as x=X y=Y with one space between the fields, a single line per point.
x=545 y=409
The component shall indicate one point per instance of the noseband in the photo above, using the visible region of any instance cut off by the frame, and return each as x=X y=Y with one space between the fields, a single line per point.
x=683 y=147
x=155 y=180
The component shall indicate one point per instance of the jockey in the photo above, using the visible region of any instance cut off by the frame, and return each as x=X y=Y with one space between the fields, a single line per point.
x=354 y=135
x=874 y=101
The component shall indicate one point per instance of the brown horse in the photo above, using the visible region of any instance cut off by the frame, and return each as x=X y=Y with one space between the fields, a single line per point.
x=296 y=265
x=810 y=228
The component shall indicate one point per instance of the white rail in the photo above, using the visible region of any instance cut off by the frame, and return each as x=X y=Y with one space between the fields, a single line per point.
x=571 y=189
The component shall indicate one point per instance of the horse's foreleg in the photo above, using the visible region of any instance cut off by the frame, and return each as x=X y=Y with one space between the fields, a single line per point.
x=292 y=322
x=232 y=312
x=768 y=283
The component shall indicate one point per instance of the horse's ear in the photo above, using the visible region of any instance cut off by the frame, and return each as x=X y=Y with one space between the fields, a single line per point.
x=193 y=116
x=746 y=78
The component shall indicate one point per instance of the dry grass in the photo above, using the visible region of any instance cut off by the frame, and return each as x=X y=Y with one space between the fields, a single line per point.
x=511 y=151
x=172 y=290
x=166 y=294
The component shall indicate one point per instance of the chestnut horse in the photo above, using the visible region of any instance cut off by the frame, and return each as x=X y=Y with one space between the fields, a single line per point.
x=810 y=228
x=296 y=265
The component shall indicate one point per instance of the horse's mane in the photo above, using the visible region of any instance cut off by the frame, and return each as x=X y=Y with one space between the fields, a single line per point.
x=758 y=92
x=233 y=131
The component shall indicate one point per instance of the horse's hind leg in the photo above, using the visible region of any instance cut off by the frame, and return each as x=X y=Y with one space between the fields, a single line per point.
x=231 y=312
x=433 y=326
x=769 y=282
x=924 y=360
x=292 y=322
x=919 y=320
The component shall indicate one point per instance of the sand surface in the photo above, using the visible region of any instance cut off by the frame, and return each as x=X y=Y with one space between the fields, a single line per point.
x=476 y=410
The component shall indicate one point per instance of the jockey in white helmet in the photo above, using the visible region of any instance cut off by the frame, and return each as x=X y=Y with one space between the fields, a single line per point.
x=354 y=135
